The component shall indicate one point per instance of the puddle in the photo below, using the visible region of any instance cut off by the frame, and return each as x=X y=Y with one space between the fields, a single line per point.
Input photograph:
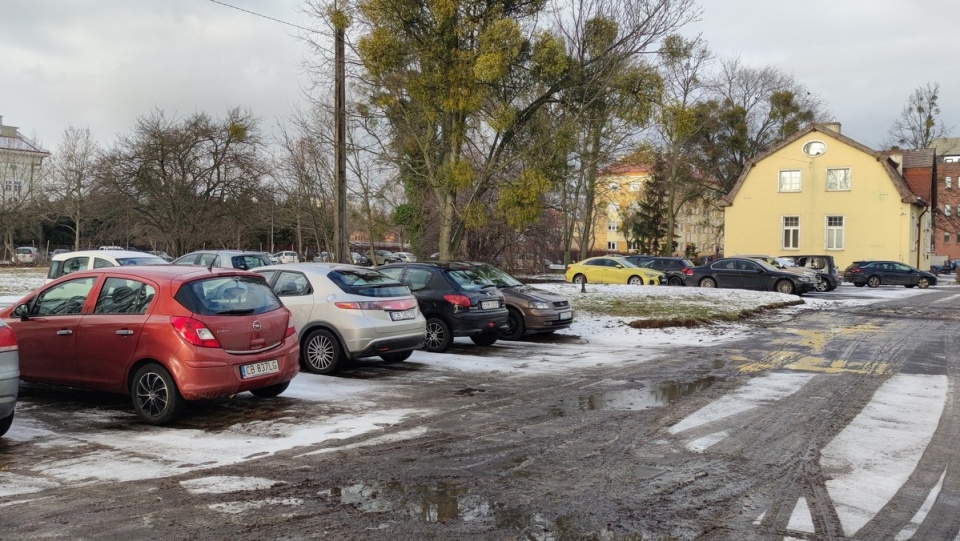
x=444 y=502
x=652 y=396
x=437 y=503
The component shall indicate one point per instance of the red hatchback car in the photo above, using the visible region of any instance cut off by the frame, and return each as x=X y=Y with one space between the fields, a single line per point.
x=162 y=334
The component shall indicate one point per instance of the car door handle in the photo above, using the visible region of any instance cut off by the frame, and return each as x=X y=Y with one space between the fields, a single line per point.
x=64 y=332
x=124 y=332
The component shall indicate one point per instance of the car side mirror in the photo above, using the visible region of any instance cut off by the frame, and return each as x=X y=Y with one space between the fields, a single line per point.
x=619 y=266
x=22 y=311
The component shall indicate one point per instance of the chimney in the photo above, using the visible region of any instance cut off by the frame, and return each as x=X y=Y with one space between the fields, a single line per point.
x=832 y=125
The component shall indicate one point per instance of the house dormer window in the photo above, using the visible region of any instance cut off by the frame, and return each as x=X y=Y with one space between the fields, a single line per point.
x=838 y=180
x=789 y=181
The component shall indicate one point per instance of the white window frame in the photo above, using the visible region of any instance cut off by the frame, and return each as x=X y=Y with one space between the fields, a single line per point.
x=835 y=184
x=834 y=232
x=613 y=226
x=946 y=237
x=789 y=181
x=948 y=182
x=611 y=245
x=790 y=232
x=946 y=210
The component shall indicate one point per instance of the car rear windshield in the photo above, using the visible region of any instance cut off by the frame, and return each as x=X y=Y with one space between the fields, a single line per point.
x=228 y=295
x=469 y=279
x=141 y=260
x=367 y=283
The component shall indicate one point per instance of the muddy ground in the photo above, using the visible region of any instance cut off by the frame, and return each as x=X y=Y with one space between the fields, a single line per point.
x=589 y=454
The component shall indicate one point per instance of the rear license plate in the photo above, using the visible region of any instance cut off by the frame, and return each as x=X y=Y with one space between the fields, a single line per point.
x=406 y=314
x=259 y=369
x=489 y=305
x=565 y=315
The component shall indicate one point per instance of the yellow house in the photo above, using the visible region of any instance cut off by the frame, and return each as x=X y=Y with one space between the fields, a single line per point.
x=820 y=192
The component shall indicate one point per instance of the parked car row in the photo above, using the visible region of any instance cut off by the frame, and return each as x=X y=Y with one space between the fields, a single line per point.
x=165 y=335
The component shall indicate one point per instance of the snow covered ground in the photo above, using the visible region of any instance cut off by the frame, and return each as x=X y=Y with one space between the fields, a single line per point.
x=164 y=451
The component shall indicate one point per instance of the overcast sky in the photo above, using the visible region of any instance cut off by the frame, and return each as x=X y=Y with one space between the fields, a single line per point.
x=102 y=64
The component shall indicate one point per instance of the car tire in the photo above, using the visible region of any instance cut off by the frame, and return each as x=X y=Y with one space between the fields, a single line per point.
x=635 y=281
x=438 y=337
x=786 y=287
x=155 y=396
x=515 y=326
x=272 y=391
x=396 y=357
x=923 y=283
x=873 y=281
x=859 y=284
x=484 y=339
x=321 y=353
x=823 y=286
x=675 y=281
x=5 y=423
x=708 y=282
x=579 y=279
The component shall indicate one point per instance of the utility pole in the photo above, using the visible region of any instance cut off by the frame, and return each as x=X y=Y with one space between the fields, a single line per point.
x=342 y=252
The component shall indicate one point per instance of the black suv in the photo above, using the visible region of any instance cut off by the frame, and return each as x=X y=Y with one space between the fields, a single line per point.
x=455 y=299
x=676 y=269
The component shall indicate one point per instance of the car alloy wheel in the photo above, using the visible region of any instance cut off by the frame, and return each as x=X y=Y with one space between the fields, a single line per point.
x=786 y=287
x=155 y=396
x=321 y=352
x=923 y=283
x=579 y=279
x=708 y=282
x=675 y=281
x=438 y=338
x=635 y=281
x=873 y=281
x=823 y=285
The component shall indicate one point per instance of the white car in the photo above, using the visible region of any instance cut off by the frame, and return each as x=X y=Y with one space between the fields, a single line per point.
x=345 y=312
x=286 y=256
x=406 y=257
x=68 y=262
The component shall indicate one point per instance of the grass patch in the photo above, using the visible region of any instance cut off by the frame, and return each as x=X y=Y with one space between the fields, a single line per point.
x=658 y=311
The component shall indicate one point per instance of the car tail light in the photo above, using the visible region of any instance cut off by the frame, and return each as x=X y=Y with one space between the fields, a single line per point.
x=856 y=269
x=458 y=300
x=195 y=332
x=395 y=304
x=8 y=339
x=688 y=271
x=291 y=328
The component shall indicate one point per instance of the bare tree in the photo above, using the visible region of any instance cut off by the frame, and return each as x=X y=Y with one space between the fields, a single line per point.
x=72 y=177
x=189 y=181
x=919 y=123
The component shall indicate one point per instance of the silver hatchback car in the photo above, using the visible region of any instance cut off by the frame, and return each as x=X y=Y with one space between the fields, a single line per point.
x=344 y=312
x=9 y=376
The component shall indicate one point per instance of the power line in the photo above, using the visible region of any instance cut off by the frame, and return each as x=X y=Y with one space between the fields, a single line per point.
x=260 y=15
